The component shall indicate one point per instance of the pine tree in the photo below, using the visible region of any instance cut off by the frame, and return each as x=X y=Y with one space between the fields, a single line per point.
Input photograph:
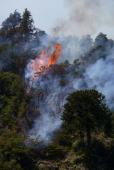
x=26 y=26
x=12 y=21
x=10 y=27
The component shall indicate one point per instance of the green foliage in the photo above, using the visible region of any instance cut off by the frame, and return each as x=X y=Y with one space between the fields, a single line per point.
x=18 y=63
x=4 y=47
x=78 y=145
x=85 y=112
x=13 y=102
x=86 y=119
x=13 y=153
x=10 y=165
x=10 y=27
x=63 y=139
x=54 y=152
x=16 y=33
x=26 y=24
x=12 y=21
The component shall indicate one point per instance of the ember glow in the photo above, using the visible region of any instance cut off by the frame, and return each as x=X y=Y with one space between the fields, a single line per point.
x=43 y=61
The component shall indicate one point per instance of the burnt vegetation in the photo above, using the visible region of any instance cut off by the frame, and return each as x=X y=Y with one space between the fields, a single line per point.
x=86 y=138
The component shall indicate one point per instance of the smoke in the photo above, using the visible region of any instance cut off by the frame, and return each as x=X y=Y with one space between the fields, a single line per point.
x=90 y=64
x=50 y=105
x=93 y=68
x=100 y=76
x=72 y=46
x=87 y=17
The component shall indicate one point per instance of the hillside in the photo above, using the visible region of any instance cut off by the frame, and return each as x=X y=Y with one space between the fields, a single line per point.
x=56 y=99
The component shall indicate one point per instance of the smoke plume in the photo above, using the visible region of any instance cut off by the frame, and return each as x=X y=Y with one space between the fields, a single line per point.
x=87 y=17
x=100 y=76
x=90 y=65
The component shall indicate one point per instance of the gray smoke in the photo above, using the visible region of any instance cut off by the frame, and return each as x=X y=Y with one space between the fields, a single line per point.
x=72 y=46
x=50 y=105
x=100 y=76
x=87 y=17
x=93 y=68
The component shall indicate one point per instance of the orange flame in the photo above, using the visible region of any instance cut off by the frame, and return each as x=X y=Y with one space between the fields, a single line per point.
x=44 y=60
x=56 y=54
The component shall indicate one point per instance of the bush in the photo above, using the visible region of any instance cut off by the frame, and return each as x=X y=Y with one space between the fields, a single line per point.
x=78 y=145
x=13 y=152
x=54 y=152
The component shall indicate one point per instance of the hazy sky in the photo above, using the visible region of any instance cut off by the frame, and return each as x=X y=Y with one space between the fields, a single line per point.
x=68 y=17
x=45 y=12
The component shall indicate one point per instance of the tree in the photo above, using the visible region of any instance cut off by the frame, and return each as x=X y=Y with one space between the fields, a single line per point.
x=12 y=21
x=101 y=40
x=10 y=27
x=85 y=112
x=14 y=155
x=26 y=24
x=13 y=101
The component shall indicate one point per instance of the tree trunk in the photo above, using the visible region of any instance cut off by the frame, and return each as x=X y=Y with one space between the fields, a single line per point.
x=88 y=136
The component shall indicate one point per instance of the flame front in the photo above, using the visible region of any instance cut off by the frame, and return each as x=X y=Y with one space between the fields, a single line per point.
x=40 y=64
x=56 y=54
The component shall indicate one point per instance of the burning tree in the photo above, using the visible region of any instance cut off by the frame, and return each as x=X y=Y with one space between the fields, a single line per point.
x=42 y=62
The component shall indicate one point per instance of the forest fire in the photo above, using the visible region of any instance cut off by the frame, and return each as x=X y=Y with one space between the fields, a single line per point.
x=46 y=58
x=56 y=54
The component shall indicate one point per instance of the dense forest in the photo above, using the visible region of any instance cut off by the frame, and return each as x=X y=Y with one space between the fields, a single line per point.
x=85 y=139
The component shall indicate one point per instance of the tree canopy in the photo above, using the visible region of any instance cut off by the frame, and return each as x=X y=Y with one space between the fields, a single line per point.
x=12 y=99
x=85 y=112
x=26 y=25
